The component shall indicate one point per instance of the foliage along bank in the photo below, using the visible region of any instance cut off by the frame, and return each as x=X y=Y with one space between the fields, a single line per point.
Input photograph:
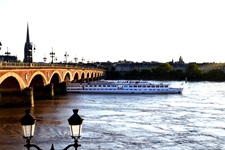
x=166 y=72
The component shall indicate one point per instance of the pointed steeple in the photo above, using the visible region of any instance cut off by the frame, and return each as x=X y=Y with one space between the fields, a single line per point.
x=28 y=48
x=28 y=36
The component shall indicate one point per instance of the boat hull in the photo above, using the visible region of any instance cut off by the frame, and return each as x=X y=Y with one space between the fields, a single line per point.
x=167 y=91
x=123 y=87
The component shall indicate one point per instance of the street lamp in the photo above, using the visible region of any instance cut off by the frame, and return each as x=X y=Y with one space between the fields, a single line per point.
x=82 y=59
x=75 y=122
x=55 y=59
x=0 y=45
x=52 y=54
x=28 y=126
x=66 y=55
x=44 y=59
x=7 y=54
x=75 y=59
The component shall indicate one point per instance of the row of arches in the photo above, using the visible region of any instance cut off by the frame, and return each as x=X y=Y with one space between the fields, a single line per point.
x=13 y=81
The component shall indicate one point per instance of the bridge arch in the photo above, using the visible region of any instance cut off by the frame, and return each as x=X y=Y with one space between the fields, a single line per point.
x=38 y=78
x=91 y=77
x=87 y=76
x=76 y=77
x=56 y=77
x=11 y=75
x=96 y=75
x=67 y=76
x=82 y=77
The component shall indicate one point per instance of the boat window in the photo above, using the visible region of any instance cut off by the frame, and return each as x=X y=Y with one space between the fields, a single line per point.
x=166 y=86
x=161 y=85
x=153 y=86
x=108 y=85
x=157 y=86
x=135 y=86
x=130 y=86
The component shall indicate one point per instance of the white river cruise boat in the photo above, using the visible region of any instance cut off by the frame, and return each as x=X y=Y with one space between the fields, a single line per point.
x=122 y=87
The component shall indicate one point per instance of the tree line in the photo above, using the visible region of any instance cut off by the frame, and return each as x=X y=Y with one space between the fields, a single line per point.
x=166 y=72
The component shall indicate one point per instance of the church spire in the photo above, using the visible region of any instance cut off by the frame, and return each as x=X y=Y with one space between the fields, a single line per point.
x=28 y=48
x=28 y=36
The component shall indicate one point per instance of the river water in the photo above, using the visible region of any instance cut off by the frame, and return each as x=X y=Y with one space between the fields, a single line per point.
x=194 y=119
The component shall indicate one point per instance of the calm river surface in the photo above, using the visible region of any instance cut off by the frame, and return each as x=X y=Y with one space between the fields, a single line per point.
x=192 y=120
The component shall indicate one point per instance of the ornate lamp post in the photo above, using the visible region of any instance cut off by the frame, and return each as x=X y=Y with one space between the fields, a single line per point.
x=82 y=59
x=55 y=59
x=75 y=122
x=66 y=56
x=28 y=126
x=75 y=59
x=44 y=59
x=52 y=54
x=7 y=53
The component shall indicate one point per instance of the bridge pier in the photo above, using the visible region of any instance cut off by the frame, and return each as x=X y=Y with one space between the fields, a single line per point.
x=60 y=88
x=14 y=98
x=26 y=97
x=49 y=91
x=43 y=92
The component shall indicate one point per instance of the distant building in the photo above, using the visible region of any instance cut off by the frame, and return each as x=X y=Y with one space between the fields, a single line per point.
x=6 y=58
x=125 y=67
x=28 y=58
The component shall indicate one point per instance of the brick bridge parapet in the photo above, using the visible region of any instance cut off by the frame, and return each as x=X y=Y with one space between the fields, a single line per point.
x=26 y=74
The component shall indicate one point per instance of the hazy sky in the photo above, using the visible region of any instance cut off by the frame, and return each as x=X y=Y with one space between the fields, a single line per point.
x=113 y=30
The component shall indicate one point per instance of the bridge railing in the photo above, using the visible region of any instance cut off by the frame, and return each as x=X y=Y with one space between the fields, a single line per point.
x=13 y=65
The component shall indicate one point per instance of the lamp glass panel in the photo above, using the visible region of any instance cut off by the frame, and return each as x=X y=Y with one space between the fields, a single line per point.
x=75 y=130
x=28 y=130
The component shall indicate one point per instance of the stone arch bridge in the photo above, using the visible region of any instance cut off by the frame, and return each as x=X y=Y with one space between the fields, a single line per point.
x=40 y=80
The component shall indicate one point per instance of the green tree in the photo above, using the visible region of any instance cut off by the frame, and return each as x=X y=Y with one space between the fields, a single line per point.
x=162 y=71
x=193 y=72
x=177 y=74
x=164 y=68
x=145 y=73
x=215 y=75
